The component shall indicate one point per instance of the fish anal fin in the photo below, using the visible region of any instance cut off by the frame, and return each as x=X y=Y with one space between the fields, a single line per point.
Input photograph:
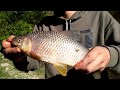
x=62 y=68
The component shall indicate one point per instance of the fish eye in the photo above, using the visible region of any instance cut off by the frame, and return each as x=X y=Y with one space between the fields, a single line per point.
x=19 y=40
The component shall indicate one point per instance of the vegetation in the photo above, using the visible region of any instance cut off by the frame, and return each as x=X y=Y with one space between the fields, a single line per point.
x=19 y=22
x=15 y=23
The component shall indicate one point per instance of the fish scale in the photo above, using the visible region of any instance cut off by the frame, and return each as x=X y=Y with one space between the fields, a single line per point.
x=52 y=47
x=62 y=51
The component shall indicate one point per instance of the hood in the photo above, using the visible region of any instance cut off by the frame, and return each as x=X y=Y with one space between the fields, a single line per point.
x=75 y=16
x=67 y=22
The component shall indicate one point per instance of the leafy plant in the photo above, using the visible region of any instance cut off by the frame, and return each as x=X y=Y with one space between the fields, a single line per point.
x=19 y=22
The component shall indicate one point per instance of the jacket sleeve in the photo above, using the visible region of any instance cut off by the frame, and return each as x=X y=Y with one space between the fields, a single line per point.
x=112 y=42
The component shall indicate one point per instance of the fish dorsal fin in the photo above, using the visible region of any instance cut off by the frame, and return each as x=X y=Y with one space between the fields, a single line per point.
x=62 y=68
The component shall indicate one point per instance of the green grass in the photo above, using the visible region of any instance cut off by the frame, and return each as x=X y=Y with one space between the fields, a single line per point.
x=8 y=71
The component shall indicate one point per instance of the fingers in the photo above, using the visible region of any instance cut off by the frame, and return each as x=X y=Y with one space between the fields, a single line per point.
x=6 y=43
x=88 y=59
x=9 y=39
x=11 y=50
x=100 y=68
x=97 y=59
x=95 y=65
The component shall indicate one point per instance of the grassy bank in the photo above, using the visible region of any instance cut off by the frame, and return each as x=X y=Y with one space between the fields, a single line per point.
x=8 y=71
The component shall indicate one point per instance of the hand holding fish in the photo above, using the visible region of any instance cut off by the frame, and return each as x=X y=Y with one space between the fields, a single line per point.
x=55 y=49
x=97 y=59
x=6 y=44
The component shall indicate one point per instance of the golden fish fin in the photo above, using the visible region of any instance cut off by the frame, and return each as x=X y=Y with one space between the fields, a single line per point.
x=62 y=68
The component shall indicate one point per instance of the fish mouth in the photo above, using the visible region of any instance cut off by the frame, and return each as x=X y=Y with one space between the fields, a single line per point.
x=13 y=42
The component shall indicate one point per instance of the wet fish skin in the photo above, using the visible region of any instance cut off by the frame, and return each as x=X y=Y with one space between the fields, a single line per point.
x=52 y=47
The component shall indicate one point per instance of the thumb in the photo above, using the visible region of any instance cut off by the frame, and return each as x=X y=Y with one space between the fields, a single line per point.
x=9 y=39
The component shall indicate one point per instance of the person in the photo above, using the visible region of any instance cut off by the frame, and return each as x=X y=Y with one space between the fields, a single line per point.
x=104 y=54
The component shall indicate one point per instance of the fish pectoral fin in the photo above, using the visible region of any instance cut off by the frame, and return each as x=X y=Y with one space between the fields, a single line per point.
x=62 y=68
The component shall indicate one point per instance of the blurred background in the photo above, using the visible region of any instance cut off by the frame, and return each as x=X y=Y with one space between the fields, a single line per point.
x=15 y=23
x=21 y=22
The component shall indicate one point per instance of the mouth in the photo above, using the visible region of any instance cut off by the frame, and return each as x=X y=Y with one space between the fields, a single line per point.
x=13 y=42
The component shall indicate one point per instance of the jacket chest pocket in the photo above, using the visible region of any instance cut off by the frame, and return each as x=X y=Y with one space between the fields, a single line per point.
x=86 y=38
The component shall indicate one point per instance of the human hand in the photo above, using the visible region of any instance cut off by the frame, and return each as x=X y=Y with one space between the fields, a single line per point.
x=7 y=46
x=97 y=59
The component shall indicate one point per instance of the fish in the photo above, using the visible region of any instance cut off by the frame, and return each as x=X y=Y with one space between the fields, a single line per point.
x=52 y=47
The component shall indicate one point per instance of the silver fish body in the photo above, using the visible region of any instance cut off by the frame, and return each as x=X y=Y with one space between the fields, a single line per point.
x=52 y=47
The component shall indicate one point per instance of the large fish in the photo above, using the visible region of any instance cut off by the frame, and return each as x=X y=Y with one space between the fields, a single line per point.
x=52 y=47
